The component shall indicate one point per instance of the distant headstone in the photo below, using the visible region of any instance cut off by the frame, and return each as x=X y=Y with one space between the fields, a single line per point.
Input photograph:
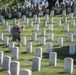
x=72 y=49
x=52 y=58
x=1 y=57
x=60 y=41
x=72 y=23
x=64 y=20
x=51 y=20
x=15 y=67
x=59 y=23
x=14 y=21
x=34 y=36
x=52 y=13
x=49 y=48
x=1 y=36
x=42 y=41
x=25 y=72
x=6 y=40
x=6 y=63
x=68 y=65
x=19 y=14
x=30 y=14
x=46 y=16
x=39 y=52
x=74 y=33
x=44 y=23
x=11 y=46
x=43 y=32
x=30 y=23
x=9 y=15
x=36 y=27
x=23 y=40
x=51 y=36
x=15 y=53
x=50 y=27
x=64 y=12
x=58 y=11
x=70 y=15
x=29 y=47
x=69 y=10
x=66 y=27
x=70 y=37
x=38 y=20
x=36 y=64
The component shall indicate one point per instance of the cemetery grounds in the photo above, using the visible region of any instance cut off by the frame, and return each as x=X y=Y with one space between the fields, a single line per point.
x=25 y=59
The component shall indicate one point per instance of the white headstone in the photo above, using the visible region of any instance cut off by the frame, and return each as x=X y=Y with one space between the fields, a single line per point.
x=64 y=19
x=38 y=20
x=46 y=16
x=36 y=64
x=15 y=53
x=15 y=67
x=6 y=40
x=1 y=57
x=11 y=46
x=70 y=15
x=19 y=14
x=43 y=32
x=44 y=23
x=14 y=21
x=68 y=65
x=59 y=23
x=49 y=48
x=69 y=10
x=72 y=23
x=8 y=28
x=47 y=11
x=50 y=27
x=75 y=12
x=60 y=41
x=29 y=47
x=70 y=37
x=74 y=34
x=1 y=36
x=58 y=11
x=27 y=21
x=9 y=15
x=34 y=36
x=24 y=17
x=30 y=14
x=52 y=13
x=25 y=72
x=39 y=52
x=6 y=63
x=72 y=49
x=51 y=20
x=42 y=41
x=23 y=40
x=64 y=12
x=36 y=27
x=30 y=23
x=35 y=18
x=52 y=58
x=66 y=27
x=51 y=36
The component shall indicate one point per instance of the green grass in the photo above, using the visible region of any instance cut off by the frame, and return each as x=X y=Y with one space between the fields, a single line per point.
x=25 y=59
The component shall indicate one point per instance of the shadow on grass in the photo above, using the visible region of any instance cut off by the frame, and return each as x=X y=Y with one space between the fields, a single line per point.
x=45 y=56
x=3 y=46
x=62 y=53
x=7 y=51
x=24 y=53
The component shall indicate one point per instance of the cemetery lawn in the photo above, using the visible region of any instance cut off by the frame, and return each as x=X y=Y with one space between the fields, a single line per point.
x=25 y=59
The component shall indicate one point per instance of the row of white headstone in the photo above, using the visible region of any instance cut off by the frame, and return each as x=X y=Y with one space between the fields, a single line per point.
x=14 y=67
